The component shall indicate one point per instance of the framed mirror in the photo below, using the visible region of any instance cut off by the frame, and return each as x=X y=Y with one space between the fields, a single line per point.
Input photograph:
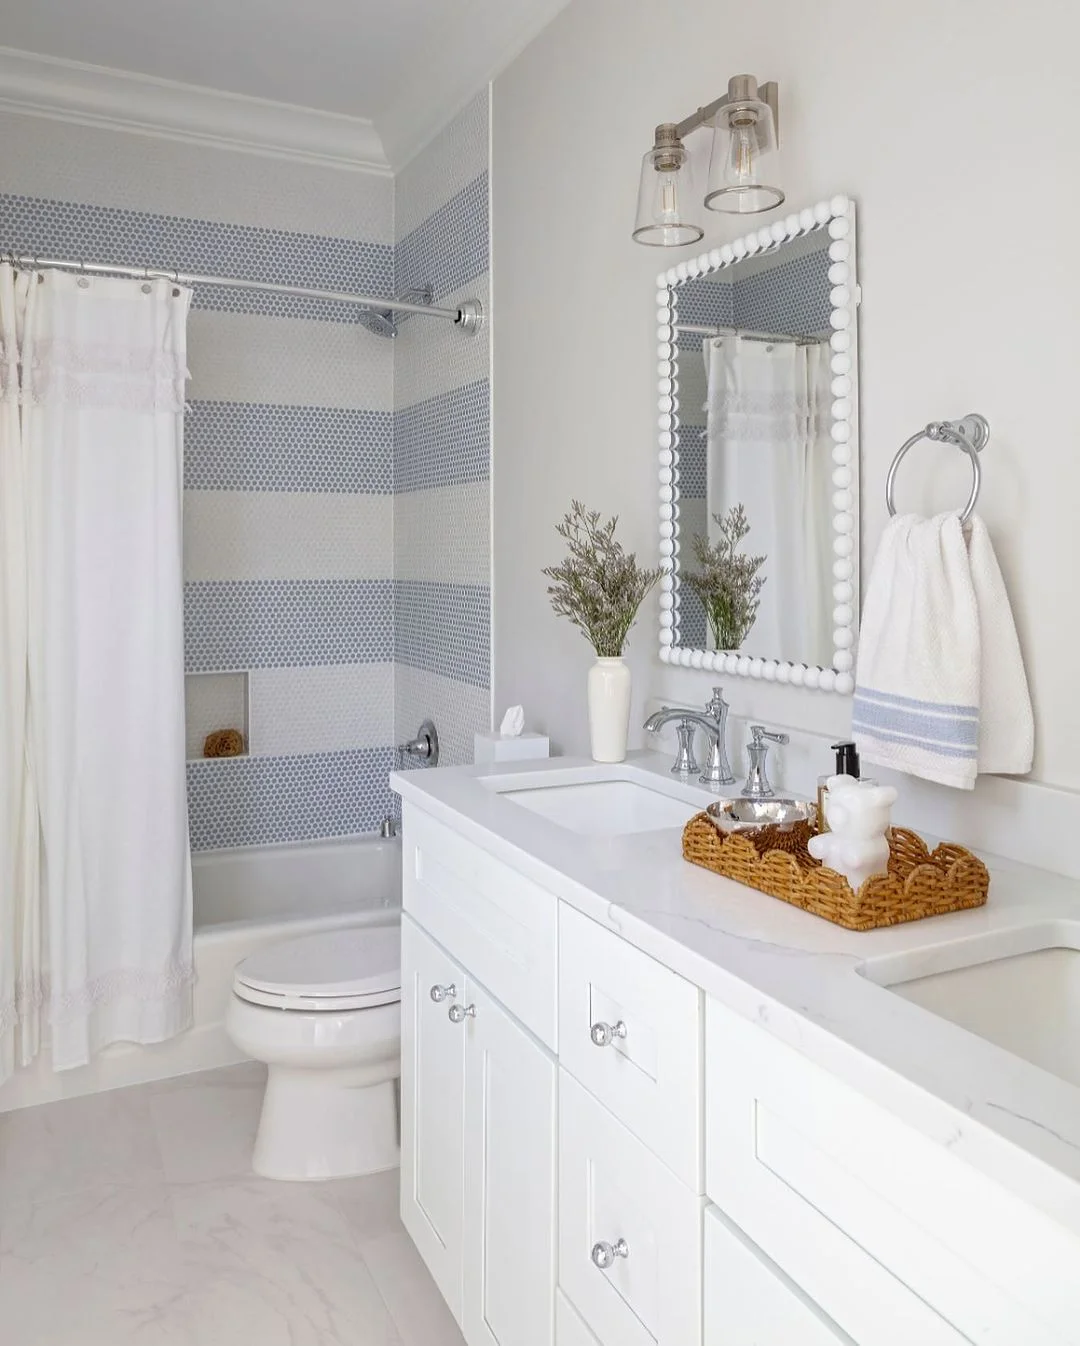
x=759 y=455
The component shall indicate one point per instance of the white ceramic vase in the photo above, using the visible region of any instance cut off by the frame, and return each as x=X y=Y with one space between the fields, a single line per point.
x=609 y=709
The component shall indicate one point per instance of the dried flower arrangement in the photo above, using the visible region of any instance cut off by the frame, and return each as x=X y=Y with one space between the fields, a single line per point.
x=727 y=581
x=599 y=586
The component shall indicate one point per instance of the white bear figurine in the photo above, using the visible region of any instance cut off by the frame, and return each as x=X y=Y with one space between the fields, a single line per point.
x=858 y=813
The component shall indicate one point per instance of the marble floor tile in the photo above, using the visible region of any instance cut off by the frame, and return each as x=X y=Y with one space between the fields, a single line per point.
x=418 y=1310
x=101 y=1265
x=371 y=1205
x=276 y=1263
x=60 y=1148
x=205 y=1124
x=132 y=1219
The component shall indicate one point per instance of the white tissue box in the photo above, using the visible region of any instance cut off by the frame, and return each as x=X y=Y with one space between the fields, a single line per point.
x=494 y=748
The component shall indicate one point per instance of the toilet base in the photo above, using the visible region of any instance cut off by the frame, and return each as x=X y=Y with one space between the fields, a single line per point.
x=318 y=1124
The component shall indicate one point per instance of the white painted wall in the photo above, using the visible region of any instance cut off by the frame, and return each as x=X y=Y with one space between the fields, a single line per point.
x=954 y=124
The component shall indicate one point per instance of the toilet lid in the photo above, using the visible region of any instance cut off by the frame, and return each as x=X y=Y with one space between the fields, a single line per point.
x=355 y=968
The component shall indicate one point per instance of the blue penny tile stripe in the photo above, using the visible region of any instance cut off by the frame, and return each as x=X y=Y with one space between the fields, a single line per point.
x=253 y=446
x=259 y=801
x=693 y=462
x=693 y=624
x=792 y=297
x=68 y=229
x=444 y=628
x=450 y=248
x=240 y=624
x=702 y=300
x=444 y=440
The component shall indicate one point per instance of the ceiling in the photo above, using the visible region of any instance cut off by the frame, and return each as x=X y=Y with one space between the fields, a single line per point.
x=405 y=65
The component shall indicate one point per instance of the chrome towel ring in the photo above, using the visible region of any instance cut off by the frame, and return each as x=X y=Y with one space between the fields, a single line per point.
x=971 y=434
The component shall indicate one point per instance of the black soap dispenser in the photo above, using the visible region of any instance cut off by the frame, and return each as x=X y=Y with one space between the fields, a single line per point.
x=847 y=764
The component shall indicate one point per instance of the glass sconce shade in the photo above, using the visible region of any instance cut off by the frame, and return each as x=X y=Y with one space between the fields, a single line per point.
x=743 y=144
x=667 y=202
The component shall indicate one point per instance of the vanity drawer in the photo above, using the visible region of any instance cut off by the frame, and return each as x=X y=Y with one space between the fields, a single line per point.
x=750 y=1302
x=612 y=1188
x=889 y=1234
x=499 y=924
x=651 y=1077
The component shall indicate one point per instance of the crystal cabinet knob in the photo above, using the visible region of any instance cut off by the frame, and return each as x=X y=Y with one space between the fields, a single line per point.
x=440 y=993
x=459 y=1013
x=604 y=1254
x=604 y=1034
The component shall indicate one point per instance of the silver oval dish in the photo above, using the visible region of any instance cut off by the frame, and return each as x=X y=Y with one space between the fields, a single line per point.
x=751 y=815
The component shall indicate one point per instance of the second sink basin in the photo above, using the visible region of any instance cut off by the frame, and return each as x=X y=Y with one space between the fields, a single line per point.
x=1019 y=989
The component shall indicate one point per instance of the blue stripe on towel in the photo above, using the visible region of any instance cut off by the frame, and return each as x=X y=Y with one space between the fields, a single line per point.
x=937 y=707
x=926 y=724
x=938 y=749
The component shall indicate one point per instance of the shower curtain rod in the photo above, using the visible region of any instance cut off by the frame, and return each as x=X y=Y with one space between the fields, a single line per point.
x=468 y=316
x=698 y=329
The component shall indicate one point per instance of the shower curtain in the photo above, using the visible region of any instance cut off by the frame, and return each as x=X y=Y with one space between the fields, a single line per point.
x=769 y=449
x=97 y=490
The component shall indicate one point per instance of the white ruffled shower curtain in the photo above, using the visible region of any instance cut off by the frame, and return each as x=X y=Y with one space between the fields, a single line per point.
x=95 y=904
x=769 y=448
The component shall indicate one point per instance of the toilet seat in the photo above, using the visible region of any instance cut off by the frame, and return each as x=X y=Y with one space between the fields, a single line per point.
x=334 y=970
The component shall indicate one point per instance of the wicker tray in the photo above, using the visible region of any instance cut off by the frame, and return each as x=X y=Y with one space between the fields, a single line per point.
x=919 y=882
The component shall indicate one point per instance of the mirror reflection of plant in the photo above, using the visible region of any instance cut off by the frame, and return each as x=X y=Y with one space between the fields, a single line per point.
x=599 y=586
x=727 y=582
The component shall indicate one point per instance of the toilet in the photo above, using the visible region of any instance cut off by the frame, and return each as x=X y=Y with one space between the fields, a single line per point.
x=324 y=1012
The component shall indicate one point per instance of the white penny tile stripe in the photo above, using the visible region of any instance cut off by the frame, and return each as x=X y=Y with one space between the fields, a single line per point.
x=241 y=357
x=289 y=535
x=301 y=710
x=444 y=534
x=458 y=708
x=431 y=358
x=457 y=156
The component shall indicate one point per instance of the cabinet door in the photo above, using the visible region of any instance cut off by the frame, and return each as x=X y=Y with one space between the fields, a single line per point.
x=432 y=1102
x=750 y=1302
x=629 y=1231
x=509 y=1226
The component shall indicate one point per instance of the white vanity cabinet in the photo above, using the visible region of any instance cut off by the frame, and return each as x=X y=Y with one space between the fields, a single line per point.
x=886 y=1232
x=478 y=1150
x=595 y=1153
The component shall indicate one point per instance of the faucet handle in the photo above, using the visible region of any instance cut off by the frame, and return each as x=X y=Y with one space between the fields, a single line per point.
x=759 y=732
x=716 y=705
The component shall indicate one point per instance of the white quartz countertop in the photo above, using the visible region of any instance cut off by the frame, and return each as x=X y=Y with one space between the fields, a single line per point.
x=797 y=975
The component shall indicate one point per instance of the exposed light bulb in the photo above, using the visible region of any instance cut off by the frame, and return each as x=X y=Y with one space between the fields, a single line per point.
x=668 y=211
x=742 y=156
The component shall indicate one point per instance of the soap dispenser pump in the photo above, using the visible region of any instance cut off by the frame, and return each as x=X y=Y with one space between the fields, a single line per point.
x=847 y=764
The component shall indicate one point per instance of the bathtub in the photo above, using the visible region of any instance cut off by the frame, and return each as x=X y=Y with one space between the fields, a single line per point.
x=244 y=900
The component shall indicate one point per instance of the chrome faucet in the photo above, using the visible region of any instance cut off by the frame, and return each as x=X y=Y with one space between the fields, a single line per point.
x=714 y=723
x=757 y=784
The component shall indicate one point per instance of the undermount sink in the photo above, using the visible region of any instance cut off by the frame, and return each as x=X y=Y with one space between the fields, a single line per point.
x=1019 y=989
x=628 y=802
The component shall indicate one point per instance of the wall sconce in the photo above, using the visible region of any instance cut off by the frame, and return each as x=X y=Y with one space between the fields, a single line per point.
x=745 y=124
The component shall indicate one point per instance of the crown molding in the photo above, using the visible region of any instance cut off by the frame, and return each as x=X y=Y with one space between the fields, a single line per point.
x=93 y=95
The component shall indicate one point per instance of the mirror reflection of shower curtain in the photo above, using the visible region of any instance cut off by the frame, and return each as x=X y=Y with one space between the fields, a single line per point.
x=769 y=449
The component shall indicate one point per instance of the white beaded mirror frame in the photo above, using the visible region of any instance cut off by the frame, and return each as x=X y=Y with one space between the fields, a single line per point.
x=837 y=217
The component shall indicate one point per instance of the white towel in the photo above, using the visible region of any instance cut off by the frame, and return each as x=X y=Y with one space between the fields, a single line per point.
x=940 y=690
